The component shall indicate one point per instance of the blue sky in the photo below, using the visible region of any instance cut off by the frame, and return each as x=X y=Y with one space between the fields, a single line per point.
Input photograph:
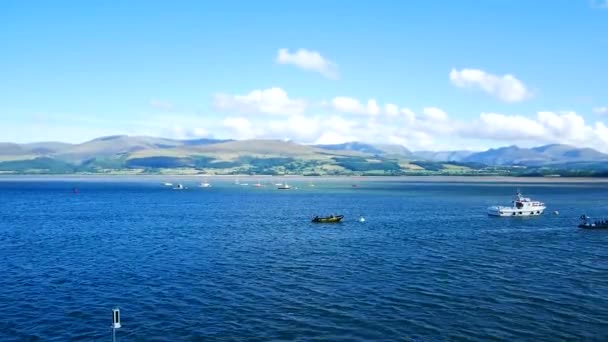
x=442 y=74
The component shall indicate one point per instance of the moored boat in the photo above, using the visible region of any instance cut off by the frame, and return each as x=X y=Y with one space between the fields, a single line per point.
x=328 y=219
x=179 y=187
x=284 y=187
x=587 y=223
x=522 y=206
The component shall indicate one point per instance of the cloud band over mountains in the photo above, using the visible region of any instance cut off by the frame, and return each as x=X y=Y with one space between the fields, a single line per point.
x=343 y=119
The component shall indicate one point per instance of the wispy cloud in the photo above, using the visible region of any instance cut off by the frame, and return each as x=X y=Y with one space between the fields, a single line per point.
x=600 y=4
x=308 y=60
x=506 y=88
x=601 y=110
x=160 y=104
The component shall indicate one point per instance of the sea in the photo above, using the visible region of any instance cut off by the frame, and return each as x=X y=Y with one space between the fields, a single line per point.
x=238 y=262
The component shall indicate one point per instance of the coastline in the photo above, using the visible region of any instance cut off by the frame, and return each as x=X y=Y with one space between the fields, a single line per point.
x=413 y=179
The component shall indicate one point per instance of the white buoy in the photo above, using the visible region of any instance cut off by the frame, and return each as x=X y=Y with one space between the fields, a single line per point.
x=115 y=322
x=361 y=219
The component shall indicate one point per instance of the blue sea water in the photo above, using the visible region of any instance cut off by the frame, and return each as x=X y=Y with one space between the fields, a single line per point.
x=240 y=263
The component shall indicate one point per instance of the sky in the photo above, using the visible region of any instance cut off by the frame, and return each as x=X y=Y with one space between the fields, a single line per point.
x=428 y=75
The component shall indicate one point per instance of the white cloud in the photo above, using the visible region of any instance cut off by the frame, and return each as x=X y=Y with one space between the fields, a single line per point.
x=601 y=110
x=409 y=115
x=436 y=130
x=372 y=107
x=308 y=60
x=241 y=127
x=267 y=101
x=181 y=132
x=351 y=105
x=296 y=127
x=568 y=126
x=545 y=128
x=329 y=137
x=495 y=126
x=345 y=119
x=506 y=88
x=433 y=129
x=435 y=114
x=347 y=104
x=391 y=109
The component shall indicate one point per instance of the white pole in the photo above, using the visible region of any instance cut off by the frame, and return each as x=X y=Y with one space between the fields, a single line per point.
x=115 y=322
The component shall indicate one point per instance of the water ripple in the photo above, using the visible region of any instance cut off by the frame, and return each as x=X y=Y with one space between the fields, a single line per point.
x=237 y=264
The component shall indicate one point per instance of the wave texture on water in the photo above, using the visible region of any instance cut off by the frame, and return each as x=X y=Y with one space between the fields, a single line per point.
x=234 y=263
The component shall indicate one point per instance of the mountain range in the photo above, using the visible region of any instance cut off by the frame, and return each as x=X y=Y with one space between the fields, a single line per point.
x=143 y=154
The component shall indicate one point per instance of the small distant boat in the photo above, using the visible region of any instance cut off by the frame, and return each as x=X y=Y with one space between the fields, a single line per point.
x=587 y=223
x=279 y=184
x=205 y=185
x=258 y=185
x=284 y=187
x=168 y=184
x=522 y=206
x=328 y=219
x=179 y=187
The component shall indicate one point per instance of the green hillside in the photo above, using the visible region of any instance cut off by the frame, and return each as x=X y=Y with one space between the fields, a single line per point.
x=150 y=155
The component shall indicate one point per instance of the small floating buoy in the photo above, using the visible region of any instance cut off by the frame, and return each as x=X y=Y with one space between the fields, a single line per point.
x=116 y=318
x=556 y=212
x=115 y=322
x=361 y=219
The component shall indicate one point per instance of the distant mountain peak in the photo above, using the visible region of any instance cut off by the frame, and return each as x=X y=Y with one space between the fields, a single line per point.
x=115 y=148
x=377 y=149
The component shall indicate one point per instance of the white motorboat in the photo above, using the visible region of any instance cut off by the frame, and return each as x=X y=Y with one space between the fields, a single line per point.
x=179 y=187
x=205 y=184
x=522 y=206
x=284 y=187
